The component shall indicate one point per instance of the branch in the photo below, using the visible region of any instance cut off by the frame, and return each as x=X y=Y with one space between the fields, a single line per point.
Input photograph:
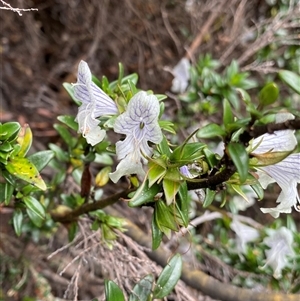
x=86 y=208
x=196 y=278
x=7 y=6
x=212 y=182
x=258 y=130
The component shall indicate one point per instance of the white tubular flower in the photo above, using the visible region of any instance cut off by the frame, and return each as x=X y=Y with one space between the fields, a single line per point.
x=95 y=103
x=181 y=76
x=140 y=124
x=244 y=235
x=280 y=244
x=286 y=172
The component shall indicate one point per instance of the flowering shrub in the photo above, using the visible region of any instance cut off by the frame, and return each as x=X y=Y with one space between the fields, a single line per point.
x=259 y=148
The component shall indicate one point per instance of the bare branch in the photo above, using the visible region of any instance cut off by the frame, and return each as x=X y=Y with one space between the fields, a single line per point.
x=7 y=6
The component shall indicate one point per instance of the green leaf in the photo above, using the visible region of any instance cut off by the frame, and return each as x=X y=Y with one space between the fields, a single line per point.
x=245 y=95
x=59 y=153
x=69 y=121
x=165 y=217
x=17 y=221
x=73 y=228
x=34 y=205
x=41 y=159
x=238 y=190
x=210 y=157
x=113 y=292
x=258 y=190
x=268 y=94
x=167 y=125
x=209 y=197
x=96 y=80
x=157 y=234
x=23 y=169
x=6 y=147
x=210 y=131
x=290 y=78
x=70 y=89
x=6 y=192
x=133 y=78
x=240 y=159
x=227 y=112
x=157 y=170
x=142 y=289
x=187 y=152
x=164 y=148
x=36 y=219
x=269 y=158
x=65 y=135
x=144 y=194
x=121 y=73
x=170 y=189
x=168 y=277
x=24 y=140
x=183 y=203
x=9 y=131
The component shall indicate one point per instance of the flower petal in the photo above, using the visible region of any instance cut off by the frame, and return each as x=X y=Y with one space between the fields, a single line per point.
x=87 y=91
x=181 y=76
x=244 y=234
x=140 y=124
x=280 y=244
x=129 y=165
x=279 y=141
x=287 y=174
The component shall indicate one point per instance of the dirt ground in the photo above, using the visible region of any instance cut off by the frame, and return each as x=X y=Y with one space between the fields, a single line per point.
x=41 y=49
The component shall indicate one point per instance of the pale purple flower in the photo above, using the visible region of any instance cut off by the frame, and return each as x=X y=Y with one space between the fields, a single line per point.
x=244 y=233
x=140 y=125
x=184 y=170
x=94 y=103
x=181 y=73
x=280 y=243
x=286 y=172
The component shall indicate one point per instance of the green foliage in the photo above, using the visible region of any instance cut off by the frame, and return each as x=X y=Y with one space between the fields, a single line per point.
x=240 y=159
x=175 y=166
x=113 y=292
x=168 y=277
x=208 y=87
x=143 y=290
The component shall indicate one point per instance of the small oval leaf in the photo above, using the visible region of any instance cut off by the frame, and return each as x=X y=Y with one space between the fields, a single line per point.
x=17 y=221
x=9 y=131
x=268 y=94
x=113 y=292
x=209 y=197
x=69 y=121
x=240 y=159
x=142 y=289
x=168 y=277
x=25 y=140
x=157 y=234
x=23 y=169
x=41 y=159
x=210 y=131
x=35 y=206
x=290 y=78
